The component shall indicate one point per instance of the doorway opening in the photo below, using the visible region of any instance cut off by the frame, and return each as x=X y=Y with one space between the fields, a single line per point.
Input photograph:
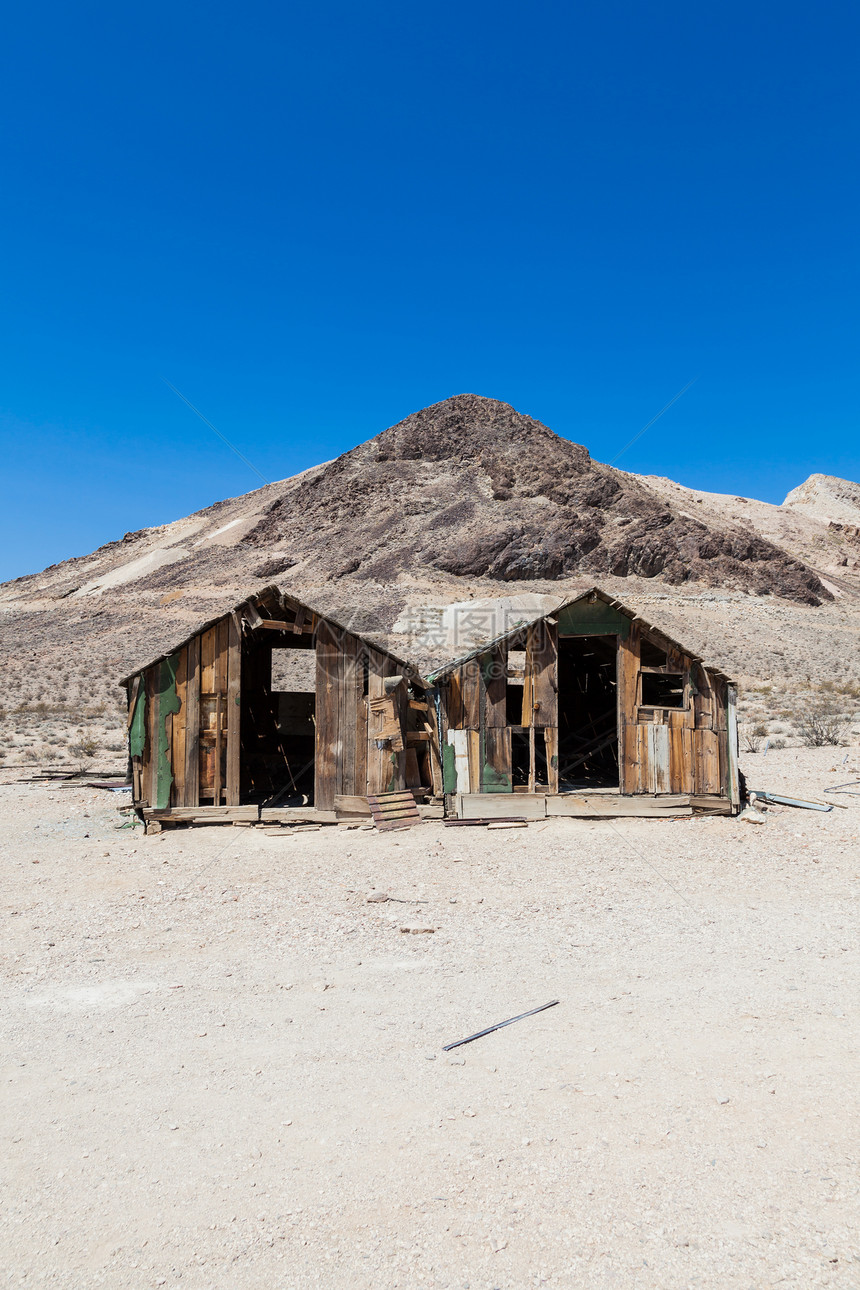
x=278 y=730
x=588 y=712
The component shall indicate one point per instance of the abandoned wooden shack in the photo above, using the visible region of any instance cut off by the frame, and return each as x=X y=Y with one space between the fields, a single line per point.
x=586 y=711
x=274 y=711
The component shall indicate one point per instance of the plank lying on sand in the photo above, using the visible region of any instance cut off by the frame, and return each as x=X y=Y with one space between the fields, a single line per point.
x=488 y=806
x=582 y=806
x=204 y=814
x=296 y=814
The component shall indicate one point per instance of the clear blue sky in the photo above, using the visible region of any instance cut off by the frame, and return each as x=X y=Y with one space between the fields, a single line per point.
x=314 y=219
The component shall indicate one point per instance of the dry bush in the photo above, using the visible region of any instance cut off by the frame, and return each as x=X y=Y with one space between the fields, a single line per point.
x=823 y=726
x=85 y=746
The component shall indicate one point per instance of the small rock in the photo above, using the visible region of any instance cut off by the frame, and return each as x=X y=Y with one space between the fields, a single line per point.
x=416 y=931
x=456 y=1061
x=723 y=1101
x=378 y=897
x=430 y=1057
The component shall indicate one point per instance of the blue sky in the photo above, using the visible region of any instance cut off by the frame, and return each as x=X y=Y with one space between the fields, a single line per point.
x=315 y=219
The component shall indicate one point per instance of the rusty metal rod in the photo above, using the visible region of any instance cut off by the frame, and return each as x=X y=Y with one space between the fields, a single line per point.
x=459 y=1042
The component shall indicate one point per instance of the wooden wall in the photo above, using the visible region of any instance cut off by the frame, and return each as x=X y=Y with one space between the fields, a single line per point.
x=671 y=750
x=192 y=722
x=477 y=734
x=665 y=750
x=189 y=749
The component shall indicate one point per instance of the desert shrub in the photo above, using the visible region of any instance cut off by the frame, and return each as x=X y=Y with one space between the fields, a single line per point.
x=823 y=726
x=751 y=739
x=85 y=746
x=777 y=742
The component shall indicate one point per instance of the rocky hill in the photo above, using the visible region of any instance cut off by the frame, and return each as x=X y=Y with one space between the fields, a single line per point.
x=467 y=498
x=827 y=498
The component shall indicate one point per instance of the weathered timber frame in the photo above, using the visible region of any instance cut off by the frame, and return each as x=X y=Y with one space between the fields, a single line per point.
x=674 y=758
x=207 y=732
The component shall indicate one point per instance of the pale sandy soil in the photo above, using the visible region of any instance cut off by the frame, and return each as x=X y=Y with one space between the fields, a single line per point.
x=223 y=1067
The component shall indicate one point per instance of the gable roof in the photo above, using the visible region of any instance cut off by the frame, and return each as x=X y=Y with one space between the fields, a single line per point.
x=590 y=594
x=264 y=599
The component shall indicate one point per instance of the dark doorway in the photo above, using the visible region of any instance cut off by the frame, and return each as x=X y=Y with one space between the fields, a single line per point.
x=278 y=730
x=587 y=712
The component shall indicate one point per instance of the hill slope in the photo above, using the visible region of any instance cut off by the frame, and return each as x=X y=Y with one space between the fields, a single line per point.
x=465 y=498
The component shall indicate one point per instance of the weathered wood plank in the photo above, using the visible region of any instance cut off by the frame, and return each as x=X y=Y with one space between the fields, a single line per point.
x=732 y=775
x=706 y=744
x=479 y=806
x=496 y=769
x=177 y=796
x=454 y=701
x=208 y=650
x=150 y=719
x=473 y=745
x=711 y=803
x=351 y=804
x=233 y=773
x=494 y=676
x=328 y=748
x=472 y=693
x=393 y=811
x=459 y=741
x=658 y=758
x=191 y=795
x=214 y=813
x=361 y=715
x=348 y=715
x=540 y=689
x=581 y=806
x=550 y=735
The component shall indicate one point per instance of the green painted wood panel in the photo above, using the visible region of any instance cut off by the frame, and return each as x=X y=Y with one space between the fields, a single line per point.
x=592 y=618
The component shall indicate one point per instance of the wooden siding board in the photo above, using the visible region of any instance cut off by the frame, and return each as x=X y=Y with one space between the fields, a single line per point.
x=177 y=757
x=327 y=734
x=628 y=693
x=657 y=745
x=458 y=742
x=592 y=618
x=361 y=788
x=233 y=770
x=208 y=650
x=191 y=793
x=540 y=691
x=732 y=775
x=348 y=713
x=454 y=701
x=550 y=735
x=494 y=676
x=473 y=745
x=166 y=705
x=496 y=771
x=472 y=691
x=707 y=762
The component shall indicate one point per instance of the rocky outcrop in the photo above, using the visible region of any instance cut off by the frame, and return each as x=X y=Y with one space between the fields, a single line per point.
x=473 y=488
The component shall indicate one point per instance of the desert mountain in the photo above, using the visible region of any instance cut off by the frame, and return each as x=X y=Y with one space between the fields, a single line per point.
x=827 y=498
x=468 y=488
x=465 y=499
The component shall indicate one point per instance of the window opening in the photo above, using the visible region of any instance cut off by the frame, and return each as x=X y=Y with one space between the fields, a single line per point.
x=663 y=689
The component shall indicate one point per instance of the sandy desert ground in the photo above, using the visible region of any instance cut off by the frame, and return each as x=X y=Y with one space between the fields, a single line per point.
x=223 y=1066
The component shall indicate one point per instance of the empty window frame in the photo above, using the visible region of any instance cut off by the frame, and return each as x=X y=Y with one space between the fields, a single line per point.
x=663 y=690
x=652 y=655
